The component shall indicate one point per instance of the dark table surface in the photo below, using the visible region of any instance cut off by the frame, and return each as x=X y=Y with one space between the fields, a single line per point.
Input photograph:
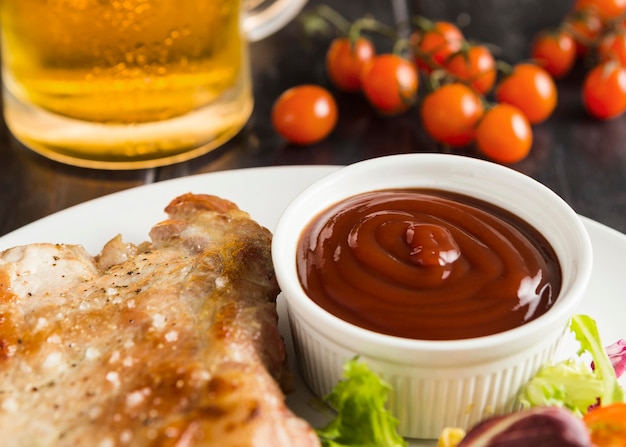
x=583 y=160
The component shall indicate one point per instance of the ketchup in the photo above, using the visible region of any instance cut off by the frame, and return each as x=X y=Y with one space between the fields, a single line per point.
x=427 y=264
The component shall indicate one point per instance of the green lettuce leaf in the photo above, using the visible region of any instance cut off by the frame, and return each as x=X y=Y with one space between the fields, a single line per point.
x=574 y=383
x=362 y=419
x=570 y=384
x=587 y=334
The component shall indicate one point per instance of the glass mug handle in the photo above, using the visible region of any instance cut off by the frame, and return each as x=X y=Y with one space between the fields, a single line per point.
x=264 y=17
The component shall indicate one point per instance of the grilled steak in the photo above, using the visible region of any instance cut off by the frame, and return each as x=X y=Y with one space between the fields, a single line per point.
x=173 y=342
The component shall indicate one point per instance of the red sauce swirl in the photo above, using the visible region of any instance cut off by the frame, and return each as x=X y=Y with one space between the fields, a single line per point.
x=427 y=264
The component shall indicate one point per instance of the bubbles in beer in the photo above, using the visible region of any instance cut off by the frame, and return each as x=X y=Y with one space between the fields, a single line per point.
x=123 y=60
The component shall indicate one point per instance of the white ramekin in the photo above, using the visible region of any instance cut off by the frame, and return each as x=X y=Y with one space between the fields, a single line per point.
x=435 y=383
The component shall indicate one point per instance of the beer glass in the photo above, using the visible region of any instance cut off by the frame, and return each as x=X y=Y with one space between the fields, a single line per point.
x=125 y=84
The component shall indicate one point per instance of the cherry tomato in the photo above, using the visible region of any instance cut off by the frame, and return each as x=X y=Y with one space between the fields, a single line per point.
x=474 y=65
x=390 y=83
x=604 y=90
x=585 y=26
x=613 y=46
x=434 y=44
x=555 y=51
x=531 y=89
x=304 y=114
x=606 y=9
x=504 y=134
x=450 y=113
x=607 y=425
x=345 y=60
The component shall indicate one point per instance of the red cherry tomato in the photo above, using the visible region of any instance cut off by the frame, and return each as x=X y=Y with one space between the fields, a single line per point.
x=504 y=134
x=450 y=113
x=390 y=83
x=607 y=425
x=304 y=114
x=585 y=26
x=474 y=65
x=433 y=45
x=555 y=51
x=531 y=89
x=345 y=60
x=604 y=90
x=606 y=9
x=613 y=46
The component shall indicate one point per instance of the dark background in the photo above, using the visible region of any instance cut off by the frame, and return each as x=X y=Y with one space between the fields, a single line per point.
x=582 y=159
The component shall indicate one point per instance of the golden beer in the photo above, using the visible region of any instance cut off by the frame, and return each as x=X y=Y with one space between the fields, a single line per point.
x=137 y=82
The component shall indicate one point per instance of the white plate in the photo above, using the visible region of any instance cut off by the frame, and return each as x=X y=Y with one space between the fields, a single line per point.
x=264 y=193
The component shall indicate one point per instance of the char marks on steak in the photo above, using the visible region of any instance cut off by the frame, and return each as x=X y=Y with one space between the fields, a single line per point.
x=173 y=342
